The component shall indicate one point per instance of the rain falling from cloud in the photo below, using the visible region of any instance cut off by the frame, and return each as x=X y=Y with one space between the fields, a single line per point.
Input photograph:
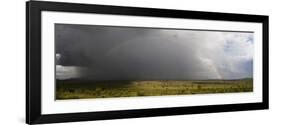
x=128 y=53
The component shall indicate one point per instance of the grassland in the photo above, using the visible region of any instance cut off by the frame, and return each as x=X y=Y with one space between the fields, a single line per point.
x=74 y=89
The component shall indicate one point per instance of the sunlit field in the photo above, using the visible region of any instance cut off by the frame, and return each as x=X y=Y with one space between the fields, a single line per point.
x=77 y=89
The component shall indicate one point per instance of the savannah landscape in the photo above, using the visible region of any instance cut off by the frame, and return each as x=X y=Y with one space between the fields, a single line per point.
x=92 y=61
x=77 y=89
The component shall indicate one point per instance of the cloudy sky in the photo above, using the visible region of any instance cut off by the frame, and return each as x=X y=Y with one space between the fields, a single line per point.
x=129 y=53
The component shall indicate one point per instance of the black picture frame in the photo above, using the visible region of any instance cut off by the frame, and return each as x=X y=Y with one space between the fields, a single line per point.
x=33 y=61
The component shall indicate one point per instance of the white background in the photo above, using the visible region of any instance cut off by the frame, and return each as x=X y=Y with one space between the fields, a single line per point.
x=50 y=106
x=12 y=71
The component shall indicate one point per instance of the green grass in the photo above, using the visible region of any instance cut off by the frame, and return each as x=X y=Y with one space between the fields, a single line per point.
x=74 y=89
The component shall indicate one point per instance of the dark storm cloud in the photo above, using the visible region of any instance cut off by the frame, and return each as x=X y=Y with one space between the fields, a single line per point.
x=123 y=53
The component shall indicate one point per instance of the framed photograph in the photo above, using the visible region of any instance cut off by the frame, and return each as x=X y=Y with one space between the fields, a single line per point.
x=95 y=62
